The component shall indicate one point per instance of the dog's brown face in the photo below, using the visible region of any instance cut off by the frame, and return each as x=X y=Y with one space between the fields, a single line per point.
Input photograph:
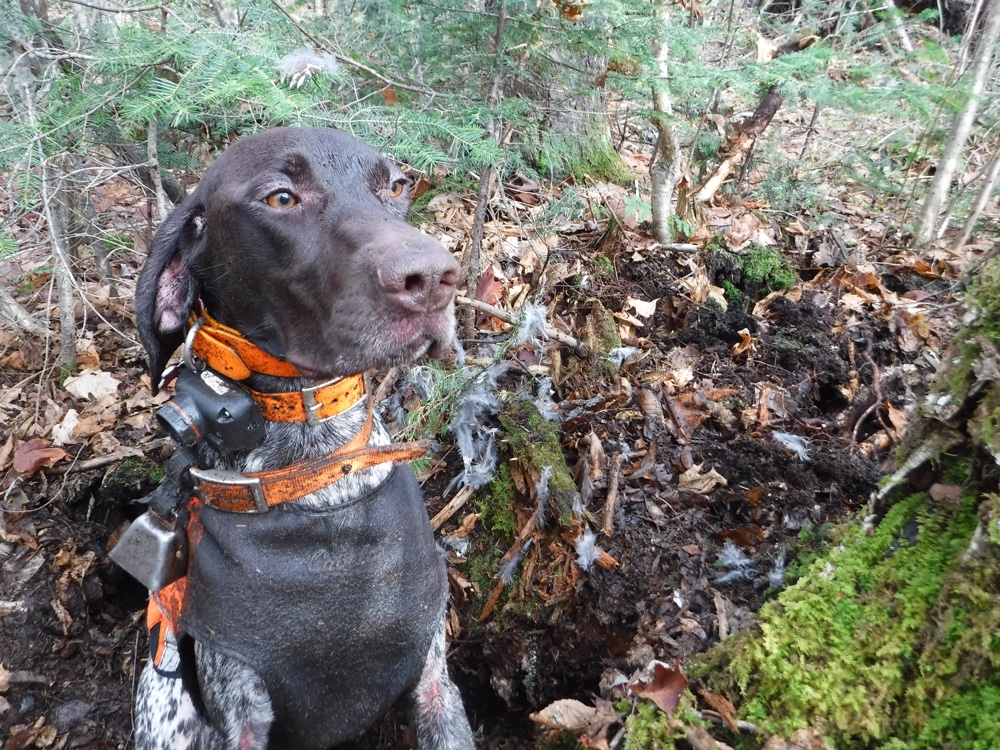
x=298 y=239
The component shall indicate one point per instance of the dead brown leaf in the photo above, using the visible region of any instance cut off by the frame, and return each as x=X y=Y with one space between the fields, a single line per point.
x=945 y=493
x=568 y=715
x=389 y=96
x=62 y=614
x=747 y=345
x=693 y=480
x=661 y=683
x=36 y=454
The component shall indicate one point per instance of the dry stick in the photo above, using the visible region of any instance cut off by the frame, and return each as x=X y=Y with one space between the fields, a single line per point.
x=760 y=119
x=472 y=257
x=21 y=318
x=453 y=506
x=89 y=464
x=809 y=132
x=877 y=392
x=612 y=499
x=61 y=270
x=496 y=312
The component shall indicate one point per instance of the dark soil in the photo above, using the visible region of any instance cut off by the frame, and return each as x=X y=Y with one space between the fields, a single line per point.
x=74 y=644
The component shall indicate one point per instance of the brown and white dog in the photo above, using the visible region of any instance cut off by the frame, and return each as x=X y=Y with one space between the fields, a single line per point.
x=299 y=626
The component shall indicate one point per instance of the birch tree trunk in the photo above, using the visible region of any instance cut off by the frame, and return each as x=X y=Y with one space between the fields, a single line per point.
x=665 y=171
x=992 y=177
x=941 y=184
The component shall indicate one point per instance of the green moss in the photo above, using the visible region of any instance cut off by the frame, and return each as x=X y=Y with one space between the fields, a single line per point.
x=131 y=479
x=750 y=274
x=603 y=266
x=881 y=638
x=732 y=292
x=765 y=268
x=497 y=505
x=536 y=444
x=591 y=156
x=986 y=420
x=649 y=729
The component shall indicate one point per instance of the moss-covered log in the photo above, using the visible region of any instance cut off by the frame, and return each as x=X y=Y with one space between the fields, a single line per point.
x=892 y=639
x=535 y=445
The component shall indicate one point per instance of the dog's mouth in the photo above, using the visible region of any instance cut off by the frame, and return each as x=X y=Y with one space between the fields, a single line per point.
x=398 y=342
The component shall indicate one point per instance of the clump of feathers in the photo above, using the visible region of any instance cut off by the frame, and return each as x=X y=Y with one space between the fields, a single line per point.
x=543 y=401
x=587 y=551
x=542 y=493
x=740 y=567
x=532 y=328
x=475 y=440
x=300 y=66
x=509 y=568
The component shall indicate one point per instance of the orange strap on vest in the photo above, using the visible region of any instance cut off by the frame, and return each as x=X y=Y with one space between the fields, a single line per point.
x=259 y=491
x=230 y=353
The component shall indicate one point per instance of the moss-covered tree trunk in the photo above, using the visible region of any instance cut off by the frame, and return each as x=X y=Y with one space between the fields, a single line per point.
x=892 y=639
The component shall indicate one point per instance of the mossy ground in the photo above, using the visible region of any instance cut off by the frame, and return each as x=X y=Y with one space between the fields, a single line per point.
x=891 y=639
x=750 y=274
x=535 y=444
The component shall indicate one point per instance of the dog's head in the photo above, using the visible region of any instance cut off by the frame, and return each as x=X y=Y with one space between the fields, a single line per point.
x=298 y=239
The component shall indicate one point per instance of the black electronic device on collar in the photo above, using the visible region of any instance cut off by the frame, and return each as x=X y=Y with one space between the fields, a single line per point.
x=211 y=408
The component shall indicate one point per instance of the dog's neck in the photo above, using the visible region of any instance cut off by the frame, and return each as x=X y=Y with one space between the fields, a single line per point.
x=292 y=440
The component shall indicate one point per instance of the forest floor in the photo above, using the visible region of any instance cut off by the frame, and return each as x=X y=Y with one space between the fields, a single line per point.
x=759 y=383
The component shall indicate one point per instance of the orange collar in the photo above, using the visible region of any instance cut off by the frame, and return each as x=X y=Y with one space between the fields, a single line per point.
x=259 y=491
x=228 y=352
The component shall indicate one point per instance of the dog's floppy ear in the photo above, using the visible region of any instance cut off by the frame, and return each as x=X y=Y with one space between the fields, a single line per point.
x=167 y=287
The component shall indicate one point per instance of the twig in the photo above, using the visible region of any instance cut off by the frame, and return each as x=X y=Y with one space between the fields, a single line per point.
x=612 y=498
x=116 y=8
x=675 y=415
x=809 y=131
x=496 y=312
x=88 y=465
x=453 y=506
x=877 y=391
x=472 y=258
x=387 y=384
x=716 y=718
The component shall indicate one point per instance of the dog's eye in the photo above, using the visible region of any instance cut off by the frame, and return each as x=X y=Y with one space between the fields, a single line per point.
x=397 y=187
x=281 y=199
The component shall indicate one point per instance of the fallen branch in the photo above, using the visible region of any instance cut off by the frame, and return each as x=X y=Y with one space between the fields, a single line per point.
x=453 y=506
x=612 y=499
x=760 y=119
x=21 y=318
x=753 y=127
x=91 y=463
x=496 y=312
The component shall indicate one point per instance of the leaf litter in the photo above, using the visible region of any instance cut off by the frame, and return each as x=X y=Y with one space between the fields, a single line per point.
x=703 y=437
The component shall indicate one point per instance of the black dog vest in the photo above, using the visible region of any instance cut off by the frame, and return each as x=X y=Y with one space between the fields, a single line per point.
x=335 y=610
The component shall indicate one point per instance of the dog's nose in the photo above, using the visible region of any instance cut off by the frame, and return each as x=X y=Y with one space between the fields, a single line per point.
x=420 y=278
